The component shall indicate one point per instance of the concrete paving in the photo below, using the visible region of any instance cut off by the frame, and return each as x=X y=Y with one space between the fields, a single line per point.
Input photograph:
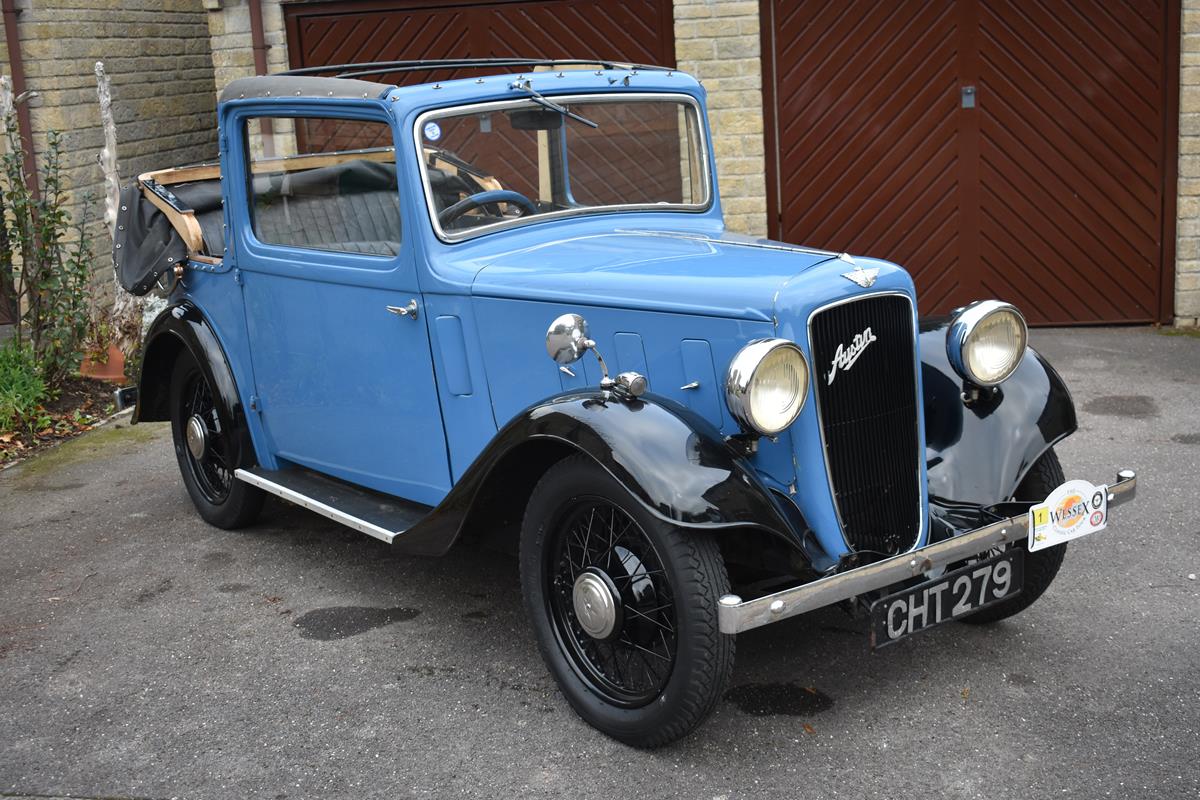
x=144 y=654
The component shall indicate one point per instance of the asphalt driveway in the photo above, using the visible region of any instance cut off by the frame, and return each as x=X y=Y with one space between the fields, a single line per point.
x=144 y=654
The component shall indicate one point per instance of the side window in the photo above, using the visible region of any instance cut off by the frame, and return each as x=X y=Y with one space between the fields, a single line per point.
x=324 y=184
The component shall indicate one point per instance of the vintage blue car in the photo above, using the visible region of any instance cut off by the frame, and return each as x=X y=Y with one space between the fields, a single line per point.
x=381 y=307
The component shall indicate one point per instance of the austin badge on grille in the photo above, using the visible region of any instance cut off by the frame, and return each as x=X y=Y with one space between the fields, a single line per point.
x=844 y=357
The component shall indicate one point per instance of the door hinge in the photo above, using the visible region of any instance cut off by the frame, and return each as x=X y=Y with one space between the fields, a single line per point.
x=255 y=403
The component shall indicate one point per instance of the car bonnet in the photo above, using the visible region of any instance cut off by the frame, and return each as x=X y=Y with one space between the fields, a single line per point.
x=725 y=276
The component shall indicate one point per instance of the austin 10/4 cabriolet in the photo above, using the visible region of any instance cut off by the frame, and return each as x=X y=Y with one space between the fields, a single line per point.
x=508 y=303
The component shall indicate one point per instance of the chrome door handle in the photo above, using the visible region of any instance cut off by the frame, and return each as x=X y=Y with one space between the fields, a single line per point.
x=409 y=310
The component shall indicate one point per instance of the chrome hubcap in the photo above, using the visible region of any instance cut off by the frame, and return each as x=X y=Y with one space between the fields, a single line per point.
x=595 y=605
x=197 y=437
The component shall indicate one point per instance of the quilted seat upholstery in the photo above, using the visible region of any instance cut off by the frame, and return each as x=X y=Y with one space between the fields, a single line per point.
x=351 y=207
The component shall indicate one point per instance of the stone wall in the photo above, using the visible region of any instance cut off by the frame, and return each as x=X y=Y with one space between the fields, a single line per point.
x=718 y=42
x=157 y=56
x=232 y=53
x=1187 y=240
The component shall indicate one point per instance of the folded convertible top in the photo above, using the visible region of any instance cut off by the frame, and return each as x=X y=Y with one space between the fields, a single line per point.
x=145 y=244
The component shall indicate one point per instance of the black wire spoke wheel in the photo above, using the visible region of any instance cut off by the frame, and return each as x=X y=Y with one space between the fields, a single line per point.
x=623 y=605
x=206 y=447
x=611 y=603
x=209 y=449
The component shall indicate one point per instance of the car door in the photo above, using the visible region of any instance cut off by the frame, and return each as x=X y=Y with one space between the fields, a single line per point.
x=343 y=374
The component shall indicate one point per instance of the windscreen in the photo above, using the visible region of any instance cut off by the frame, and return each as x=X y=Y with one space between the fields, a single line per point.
x=493 y=166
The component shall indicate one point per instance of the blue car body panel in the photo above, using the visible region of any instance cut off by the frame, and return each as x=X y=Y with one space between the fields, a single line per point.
x=318 y=328
x=655 y=270
x=334 y=382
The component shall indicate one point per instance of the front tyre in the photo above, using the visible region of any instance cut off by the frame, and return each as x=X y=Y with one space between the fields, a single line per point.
x=207 y=451
x=624 y=606
x=1041 y=567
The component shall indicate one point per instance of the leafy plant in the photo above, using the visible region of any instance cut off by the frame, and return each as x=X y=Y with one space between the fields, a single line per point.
x=22 y=390
x=48 y=268
x=96 y=341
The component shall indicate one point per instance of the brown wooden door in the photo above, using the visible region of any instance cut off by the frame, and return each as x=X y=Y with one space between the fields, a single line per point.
x=639 y=31
x=1011 y=149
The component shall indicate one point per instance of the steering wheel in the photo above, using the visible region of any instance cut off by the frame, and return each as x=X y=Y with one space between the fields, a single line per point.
x=478 y=199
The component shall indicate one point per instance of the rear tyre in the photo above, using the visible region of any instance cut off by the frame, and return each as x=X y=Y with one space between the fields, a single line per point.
x=208 y=452
x=1043 y=477
x=624 y=606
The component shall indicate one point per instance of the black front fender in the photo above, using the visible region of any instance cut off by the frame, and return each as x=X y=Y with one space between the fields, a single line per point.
x=672 y=461
x=978 y=452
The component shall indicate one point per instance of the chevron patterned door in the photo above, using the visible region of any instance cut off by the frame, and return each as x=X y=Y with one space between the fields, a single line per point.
x=640 y=31
x=1020 y=149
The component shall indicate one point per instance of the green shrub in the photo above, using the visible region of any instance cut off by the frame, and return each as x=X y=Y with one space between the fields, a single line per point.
x=41 y=267
x=22 y=390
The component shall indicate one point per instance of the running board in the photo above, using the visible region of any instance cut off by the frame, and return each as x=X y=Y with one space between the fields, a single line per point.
x=372 y=513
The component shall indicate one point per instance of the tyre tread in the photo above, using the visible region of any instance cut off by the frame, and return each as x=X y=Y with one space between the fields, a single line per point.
x=1041 y=567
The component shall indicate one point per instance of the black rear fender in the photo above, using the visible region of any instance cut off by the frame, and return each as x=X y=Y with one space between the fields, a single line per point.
x=181 y=331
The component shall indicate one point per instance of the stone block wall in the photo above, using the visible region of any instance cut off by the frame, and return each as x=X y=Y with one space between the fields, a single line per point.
x=718 y=42
x=229 y=28
x=156 y=53
x=1187 y=238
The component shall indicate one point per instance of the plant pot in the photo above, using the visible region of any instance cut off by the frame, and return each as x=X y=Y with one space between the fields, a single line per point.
x=113 y=370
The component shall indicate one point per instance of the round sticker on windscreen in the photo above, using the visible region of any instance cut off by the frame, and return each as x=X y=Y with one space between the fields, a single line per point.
x=433 y=131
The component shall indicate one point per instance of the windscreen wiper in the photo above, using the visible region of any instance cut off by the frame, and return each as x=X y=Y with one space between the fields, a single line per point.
x=542 y=101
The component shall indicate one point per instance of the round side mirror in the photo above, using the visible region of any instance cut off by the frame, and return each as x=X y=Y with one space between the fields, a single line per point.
x=567 y=340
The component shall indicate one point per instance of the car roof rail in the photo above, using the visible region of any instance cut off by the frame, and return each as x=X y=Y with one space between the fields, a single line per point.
x=363 y=69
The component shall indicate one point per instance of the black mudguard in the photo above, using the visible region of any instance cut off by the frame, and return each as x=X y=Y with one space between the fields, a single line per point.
x=978 y=452
x=181 y=331
x=672 y=461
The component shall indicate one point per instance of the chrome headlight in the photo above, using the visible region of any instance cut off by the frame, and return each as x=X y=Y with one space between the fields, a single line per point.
x=986 y=342
x=767 y=385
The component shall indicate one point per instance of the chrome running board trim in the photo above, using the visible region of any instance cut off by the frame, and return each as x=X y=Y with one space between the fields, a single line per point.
x=376 y=515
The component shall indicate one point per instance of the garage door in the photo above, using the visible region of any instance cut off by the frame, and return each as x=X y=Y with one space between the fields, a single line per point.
x=1020 y=150
x=639 y=31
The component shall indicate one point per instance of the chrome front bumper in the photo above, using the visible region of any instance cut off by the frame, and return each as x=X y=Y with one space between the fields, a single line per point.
x=736 y=615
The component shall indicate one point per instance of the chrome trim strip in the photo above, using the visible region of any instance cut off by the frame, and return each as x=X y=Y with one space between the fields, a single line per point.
x=916 y=396
x=736 y=615
x=700 y=237
x=496 y=105
x=324 y=510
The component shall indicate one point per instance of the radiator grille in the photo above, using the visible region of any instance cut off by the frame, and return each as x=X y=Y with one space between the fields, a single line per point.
x=868 y=419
